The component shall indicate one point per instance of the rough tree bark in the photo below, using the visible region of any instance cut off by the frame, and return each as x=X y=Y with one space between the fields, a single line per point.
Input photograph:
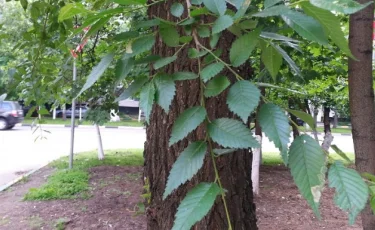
x=235 y=168
x=326 y=121
x=361 y=97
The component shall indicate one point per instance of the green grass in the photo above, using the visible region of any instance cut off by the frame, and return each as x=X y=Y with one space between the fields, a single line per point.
x=274 y=158
x=336 y=130
x=60 y=121
x=70 y=184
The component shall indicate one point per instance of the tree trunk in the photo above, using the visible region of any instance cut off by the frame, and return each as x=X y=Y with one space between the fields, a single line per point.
x=335 y=120
x=64 y=112
x=257 y=152
x=361 y=97
x=234 y=168
x=293 y=118
x=100 y=143
x=327 y=123
x=315 y=116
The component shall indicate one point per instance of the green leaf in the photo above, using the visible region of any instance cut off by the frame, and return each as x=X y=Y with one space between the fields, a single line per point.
x=275 y=125
x=130 y=2
x=97 y=72
x=303 y=116
x=203 y=31
x=185 y=39
x=248 y=24
x=211 y=71
x=24 y=4
x=287 y=58
x=214 y=40
x=238 y=54
x=123 y=67
x=342 y=6
x=272 y=11
x=275 y=36
x=195 y=205
x=97 y=26
x=307 y=163
x=331 y=25
x=216 y=6
x=196 y=2
x=164 y=61
x=71 y=9
x=187 y=21
x=236 y=3
x=269 y=3
x=148 y=59
x=180 y=76
x=126 y=35
x=243 y=98
x=146 y=24
x=220 y=152
x=351 y=191
x=216 y=86
x=222 y=23
x=186 y=166
x=212 y=57
x=194 y=53
x=165 y=90
x=147 y=97
x=305 y=26
x=231 y=133
x=169 y=35
x=272 y=60
x=133 y=88
x=341 y=153
x=177 y=9
x=242 y=10
x=140 y=45
x=189 y=120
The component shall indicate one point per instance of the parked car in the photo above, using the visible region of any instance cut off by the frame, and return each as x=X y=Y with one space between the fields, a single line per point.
x=68 y=112
x=11 y=113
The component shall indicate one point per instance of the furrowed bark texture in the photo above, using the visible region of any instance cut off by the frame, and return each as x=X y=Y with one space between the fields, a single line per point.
x=361 y=97
x=234 y=168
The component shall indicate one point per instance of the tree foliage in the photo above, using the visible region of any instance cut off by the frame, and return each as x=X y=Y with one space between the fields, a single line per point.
x=272 y=29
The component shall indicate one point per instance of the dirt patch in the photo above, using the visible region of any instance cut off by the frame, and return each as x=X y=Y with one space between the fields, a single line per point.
x=111 y=203
x=115 y=191
x=281 y=207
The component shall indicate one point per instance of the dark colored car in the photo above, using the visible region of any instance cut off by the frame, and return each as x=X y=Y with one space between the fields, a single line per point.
x=68 y=112
x=11 y=113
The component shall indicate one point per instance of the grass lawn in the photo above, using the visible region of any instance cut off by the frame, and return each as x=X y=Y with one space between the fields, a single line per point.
x=321 y=130
x=60 y=121
x=70 y=184
x=274 y=158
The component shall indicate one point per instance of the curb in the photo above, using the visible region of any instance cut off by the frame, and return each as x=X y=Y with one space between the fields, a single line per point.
x=9 y=184
x=82 y=126
x=333 y=134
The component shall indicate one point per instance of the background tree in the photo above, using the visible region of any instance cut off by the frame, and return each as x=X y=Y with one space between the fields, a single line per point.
x=361 y=96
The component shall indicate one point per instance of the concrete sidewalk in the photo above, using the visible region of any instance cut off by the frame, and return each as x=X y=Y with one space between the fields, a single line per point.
x=81 y=126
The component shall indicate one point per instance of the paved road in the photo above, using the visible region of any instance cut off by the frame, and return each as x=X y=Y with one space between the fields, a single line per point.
x=19 y=153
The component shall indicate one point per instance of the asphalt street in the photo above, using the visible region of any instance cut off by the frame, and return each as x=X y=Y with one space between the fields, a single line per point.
x=19 y=153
